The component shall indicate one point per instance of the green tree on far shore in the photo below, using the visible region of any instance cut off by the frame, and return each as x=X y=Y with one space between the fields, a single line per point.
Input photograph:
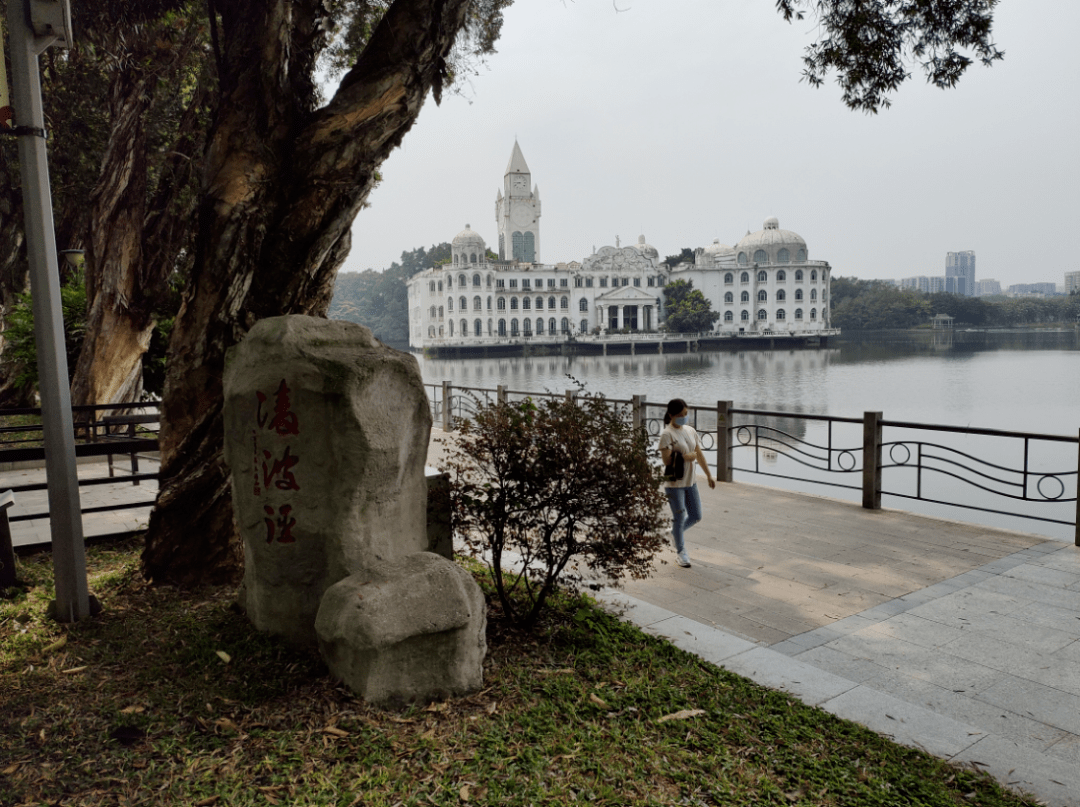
x=688 y=310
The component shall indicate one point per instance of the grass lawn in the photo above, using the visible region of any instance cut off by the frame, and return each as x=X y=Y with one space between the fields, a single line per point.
x=169 y=698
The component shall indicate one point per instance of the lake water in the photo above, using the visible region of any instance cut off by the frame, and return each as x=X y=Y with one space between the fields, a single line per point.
x=1014 y=381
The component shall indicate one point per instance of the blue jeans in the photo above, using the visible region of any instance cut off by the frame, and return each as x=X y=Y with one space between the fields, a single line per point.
x=685 y=511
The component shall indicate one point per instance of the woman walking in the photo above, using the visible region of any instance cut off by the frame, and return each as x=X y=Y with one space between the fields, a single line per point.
x=682 y=493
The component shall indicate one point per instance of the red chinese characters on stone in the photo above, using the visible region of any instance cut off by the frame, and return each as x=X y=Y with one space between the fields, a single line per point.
x=268 y=468
x=284 y=420
x=279 y=520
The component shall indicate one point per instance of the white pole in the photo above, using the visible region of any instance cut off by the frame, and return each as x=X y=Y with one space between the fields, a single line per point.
x=65 y=516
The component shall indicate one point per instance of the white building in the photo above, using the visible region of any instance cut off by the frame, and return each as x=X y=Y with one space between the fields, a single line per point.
x=1072 y=282
x=765 y=285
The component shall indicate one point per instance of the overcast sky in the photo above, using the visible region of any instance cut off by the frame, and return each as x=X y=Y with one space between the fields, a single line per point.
x=686 y=121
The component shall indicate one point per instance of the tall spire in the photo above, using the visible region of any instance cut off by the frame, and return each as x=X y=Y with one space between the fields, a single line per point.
x=517 y=163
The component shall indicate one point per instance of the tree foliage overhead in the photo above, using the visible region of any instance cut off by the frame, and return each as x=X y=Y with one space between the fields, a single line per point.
x=688 y=310
x=869 y=43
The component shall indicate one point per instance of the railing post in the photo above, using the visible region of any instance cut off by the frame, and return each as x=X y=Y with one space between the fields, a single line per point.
x=7 y=552
x=640 y=417
x=571 y=395
x=1076 y=537
x=723 y=441
x=871 y=475
x=500 y=394
x=447 y=419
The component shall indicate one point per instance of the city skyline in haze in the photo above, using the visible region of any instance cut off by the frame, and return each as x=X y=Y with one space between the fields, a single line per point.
x=686 y=121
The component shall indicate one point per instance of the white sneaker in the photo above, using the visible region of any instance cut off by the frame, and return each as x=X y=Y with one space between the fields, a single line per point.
x=684 y=561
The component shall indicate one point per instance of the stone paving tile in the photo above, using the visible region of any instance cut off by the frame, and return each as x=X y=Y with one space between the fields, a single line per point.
x=1036 y=701
x=1070 y=652
x=1067 y=748
x=916 y=630
x=1022 y=590
x=840 y=663
x=780 y=621
x=1041 y=613
x=712 y=645
x=905 y=722
x=983 y=716
x=1032 y=573
x=807 y=682
x=1055 y=781
x=970 y=603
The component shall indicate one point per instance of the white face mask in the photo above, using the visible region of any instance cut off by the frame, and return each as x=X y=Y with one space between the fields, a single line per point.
x=682 y=421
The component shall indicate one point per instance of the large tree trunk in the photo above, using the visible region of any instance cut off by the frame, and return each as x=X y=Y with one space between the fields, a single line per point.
x=283 y=184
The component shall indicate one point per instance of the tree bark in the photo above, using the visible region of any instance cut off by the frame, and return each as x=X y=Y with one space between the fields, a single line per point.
x=283 y=183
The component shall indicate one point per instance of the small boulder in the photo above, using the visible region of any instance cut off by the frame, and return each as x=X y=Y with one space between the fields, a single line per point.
x=405 y=630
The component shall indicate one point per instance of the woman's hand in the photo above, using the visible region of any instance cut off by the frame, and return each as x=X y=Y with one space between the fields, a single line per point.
x=712 y=482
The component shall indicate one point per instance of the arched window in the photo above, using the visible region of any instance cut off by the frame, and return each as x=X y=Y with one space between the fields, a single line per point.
x=455 y=260
x=729 y=278
x=539 y=326
x=489 y=281
x=584 y=325
x=476 y=280
x=431 y=332
x=502 y=327
x=440 y=285
x=781 y=295
x=564 y=303
x=501 y=304
x=800 y=256
x=540 y=303
x=450 y=303
x=781 y=276
x=762 y=314
x=451 y=324
x=513 y=303
x=431 y=286
x=526 y=303
x=763 y=296
x=729 y=316
x=526 y=327
x=813 y=276
x=489 y=303
x=530 y=248
x=464 y=304
x=798 y=295
x=760 y=256
x=813 y=314
x=489 y=328
x=551 y=303
x=742 y=259
x=780 y=314
x=729 y=297
x=461 y=280
x=798 y=313
x=440 y=331
x=762 y=277
x=798 y=275
x=745 y=316
x=583 y=304
x=565 y=325
x=744 y=277
x=513 y=327
x=440 y=312
x=744 y=297
x=783 y=256
x=433 y=312
x=551 y=325
x=464 y=328
x=813 y=294
x=477 y=303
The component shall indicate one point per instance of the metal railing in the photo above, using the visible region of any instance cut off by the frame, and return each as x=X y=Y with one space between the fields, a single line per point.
x=854 y=454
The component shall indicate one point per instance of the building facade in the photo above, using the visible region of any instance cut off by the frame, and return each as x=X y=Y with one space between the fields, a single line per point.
x=1072 y=282
x=960 y=273
x=765 y=284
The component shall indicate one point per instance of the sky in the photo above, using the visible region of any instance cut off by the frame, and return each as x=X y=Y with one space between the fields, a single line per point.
x=687 y=121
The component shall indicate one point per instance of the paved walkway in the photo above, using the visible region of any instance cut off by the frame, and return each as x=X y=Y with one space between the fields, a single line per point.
x=957 y=638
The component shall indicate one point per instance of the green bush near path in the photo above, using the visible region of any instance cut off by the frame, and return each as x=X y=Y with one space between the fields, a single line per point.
x=169 y=698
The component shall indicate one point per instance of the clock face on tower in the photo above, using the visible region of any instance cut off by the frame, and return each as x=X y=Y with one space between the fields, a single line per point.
x=519 y=183
x=521 y=214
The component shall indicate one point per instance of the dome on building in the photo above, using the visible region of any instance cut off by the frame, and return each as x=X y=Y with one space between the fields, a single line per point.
x=647 y=250
x=468 y=238
x=779 y=246
x=716 y=248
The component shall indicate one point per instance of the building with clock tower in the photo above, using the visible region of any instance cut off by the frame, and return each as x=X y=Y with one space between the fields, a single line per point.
x=517 y=212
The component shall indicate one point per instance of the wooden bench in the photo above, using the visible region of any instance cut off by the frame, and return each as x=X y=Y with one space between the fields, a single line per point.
x=131 y=422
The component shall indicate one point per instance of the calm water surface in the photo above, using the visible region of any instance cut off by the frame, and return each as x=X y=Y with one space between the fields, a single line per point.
x=1012 y=381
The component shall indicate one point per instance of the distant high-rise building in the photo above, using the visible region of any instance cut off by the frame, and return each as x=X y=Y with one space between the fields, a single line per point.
x=961 y=266
x=987 y=287
x=1040 y=289
x=1072 y=282
x=937 y=284
x=919 y=283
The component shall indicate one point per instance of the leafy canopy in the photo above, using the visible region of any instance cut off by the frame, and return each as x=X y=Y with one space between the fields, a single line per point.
x=688 y=310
